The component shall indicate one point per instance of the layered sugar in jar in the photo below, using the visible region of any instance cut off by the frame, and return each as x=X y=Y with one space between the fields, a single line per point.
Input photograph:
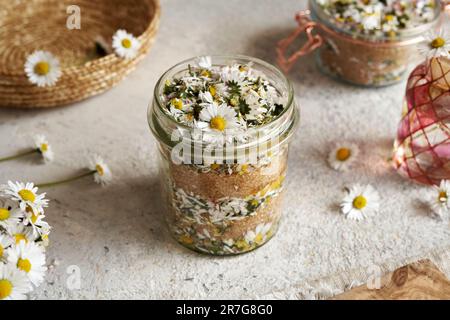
x=364 y=42
x=223 y=126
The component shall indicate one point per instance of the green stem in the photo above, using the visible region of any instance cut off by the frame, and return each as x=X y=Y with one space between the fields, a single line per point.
x=55 y=183
x=23 y=154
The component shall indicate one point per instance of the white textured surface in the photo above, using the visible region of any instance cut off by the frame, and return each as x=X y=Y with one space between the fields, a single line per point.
x=116 y=234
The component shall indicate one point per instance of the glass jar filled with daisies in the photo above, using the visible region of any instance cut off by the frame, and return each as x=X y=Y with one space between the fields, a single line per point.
x=369 y=43
x=223 y=126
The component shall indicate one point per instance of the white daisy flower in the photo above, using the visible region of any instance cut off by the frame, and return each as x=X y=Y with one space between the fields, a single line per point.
x=125 y=44
x=25 y=194
x=259 y=235
x=35 y=219
x=439 y=198
x=360 y=202
x=42 y=68
x=14 y=284
x=45 y=232
x=206 y=97
x=436 y=44
x=10 y=214
x=232 y=73
x=217 y=117
x=30 y=258
x=371 y=18
x=205 y=62
x=5 y=242
x=22 y=233
x=43 y=147
x=343 y=155
x=102 y=174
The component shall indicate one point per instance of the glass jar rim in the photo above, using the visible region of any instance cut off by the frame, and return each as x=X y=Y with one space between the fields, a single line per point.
x=290 y=105
x=404 y=36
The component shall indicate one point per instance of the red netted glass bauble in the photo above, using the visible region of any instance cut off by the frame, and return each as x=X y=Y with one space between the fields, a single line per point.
x=422 y=147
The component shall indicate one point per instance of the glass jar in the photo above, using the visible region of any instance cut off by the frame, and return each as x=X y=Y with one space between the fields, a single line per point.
x=422 y=147
x=227 y=200
x=356 y=58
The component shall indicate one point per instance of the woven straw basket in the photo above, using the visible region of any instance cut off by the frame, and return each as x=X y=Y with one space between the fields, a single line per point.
x=29 y=25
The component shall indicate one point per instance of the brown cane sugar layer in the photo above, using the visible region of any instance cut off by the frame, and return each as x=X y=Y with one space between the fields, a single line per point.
x=363 y=64
x=213 y=185
x=269 y=213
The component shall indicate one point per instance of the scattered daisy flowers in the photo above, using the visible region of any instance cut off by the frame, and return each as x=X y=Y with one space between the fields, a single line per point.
x=42 y=69
x=438 y=199
x=360 y=202
x=96 y=167
x=125 y=44
x=343 y=155
x=436 y=44
x=23 y=238
x=100 y=169
x=43 y=147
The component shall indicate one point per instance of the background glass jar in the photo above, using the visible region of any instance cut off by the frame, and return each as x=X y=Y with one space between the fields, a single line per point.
x=353 y=57
x=226 y=201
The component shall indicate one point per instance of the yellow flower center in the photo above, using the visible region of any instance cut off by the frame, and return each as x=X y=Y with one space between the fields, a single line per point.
x=33 y=215
x=234 y=102
x=259 y=238
x=27 y=195
x=242 y=244
x=20 y=237
x=177 y=103
x=218 y=123
x=44 y=147
x=254 y=202
x=24 y=265
x=212 y=90
x=42 y=68
x=438 y=43
x=205 y=73
x=6 y=288
x=126 y=43
x=359 y=202
x=186 y=240
x=343 y=154
x=4 y=214
x=389 y=17
x=215 y=166
x=1 y=251
x=189 y=116
x=442 y=196
x=99 y=169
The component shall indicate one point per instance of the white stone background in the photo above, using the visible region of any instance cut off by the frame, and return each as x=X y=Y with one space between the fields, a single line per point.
x=116 y=234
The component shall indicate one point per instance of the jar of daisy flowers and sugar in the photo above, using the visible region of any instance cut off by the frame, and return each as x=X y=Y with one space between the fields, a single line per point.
x=363 y=42
x=223 y=125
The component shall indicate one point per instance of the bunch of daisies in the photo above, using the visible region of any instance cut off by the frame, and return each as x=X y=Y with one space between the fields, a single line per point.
x=222 y=99
x=23 y=238
x=379 y=17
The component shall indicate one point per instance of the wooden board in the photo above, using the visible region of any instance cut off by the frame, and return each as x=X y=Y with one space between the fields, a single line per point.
x=419 y=280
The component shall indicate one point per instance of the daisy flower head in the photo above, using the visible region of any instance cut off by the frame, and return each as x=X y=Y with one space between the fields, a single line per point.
x=26 y=194
x=439 y=198
x=218 y=118
x=42 y=68
x=5 y=242
x=10 y=214
x=43 y=147
x=29 y=258
x=22 y=233
x=436 y=44
x=343 y=155
x=100 y=169
x=360 y=202
x=14 y=284
x=259 y=235
x=204 y=62
x=125 y=44
x=35 y=219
